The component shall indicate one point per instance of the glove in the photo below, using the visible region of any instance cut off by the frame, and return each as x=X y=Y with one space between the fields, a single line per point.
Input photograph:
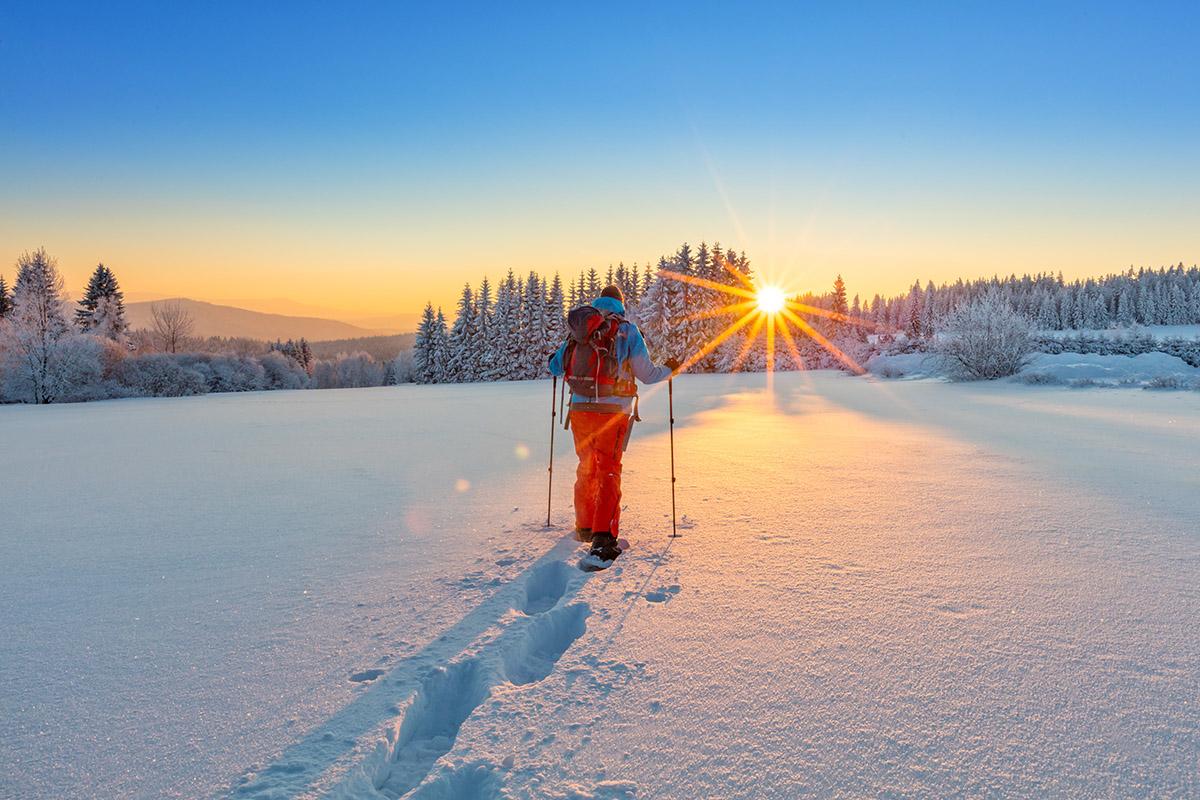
x=672 y=364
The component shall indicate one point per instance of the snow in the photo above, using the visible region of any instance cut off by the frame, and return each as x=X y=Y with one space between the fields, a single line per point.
x=1154 y=331
x=1154 y=370
x=905 y=365
x=1083 y=369
x=886 y=588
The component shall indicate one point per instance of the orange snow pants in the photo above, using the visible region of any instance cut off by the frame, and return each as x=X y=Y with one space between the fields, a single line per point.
x=599 y=443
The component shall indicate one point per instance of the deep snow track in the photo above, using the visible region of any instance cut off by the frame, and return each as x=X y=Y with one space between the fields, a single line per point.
x=516 y=637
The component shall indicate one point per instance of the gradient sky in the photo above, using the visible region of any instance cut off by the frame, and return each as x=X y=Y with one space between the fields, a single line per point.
x=368 y=156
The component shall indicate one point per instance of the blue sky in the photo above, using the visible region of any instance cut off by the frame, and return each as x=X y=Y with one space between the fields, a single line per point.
x=411 y=147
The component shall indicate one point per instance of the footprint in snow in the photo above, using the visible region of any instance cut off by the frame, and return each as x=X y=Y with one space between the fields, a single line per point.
x=959 y=609
x=663 y=594
x=366 y=676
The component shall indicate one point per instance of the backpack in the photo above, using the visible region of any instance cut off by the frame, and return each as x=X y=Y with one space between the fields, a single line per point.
x=590 y=360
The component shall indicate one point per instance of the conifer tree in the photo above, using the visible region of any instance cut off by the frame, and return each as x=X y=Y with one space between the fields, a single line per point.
x=461 y=365
x=533 y=328
x=5 y=300
x=102 y=308
x=484 y=352
x=441 y=349
x=425 y=347
x=555 y=319
x=912 y=321
x=838 y=306
x=502 y=344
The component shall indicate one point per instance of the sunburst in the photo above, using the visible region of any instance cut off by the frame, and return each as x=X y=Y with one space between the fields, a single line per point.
x=767 y=308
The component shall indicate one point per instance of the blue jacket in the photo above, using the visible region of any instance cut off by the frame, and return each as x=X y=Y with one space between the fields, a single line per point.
x=632 y=356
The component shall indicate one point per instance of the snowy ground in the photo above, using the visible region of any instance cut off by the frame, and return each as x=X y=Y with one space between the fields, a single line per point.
x=1156 y=331
x=883 y=589
x=1078 y=370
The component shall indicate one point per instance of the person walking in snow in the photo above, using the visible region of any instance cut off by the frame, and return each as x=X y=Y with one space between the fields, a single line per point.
x=602 y=359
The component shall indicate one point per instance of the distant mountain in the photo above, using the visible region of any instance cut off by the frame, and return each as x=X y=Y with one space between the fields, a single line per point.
x=389 y=324
x=217 y=320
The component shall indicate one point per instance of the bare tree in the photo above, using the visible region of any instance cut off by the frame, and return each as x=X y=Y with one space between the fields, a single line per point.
x=985 y=339
x=172 y=324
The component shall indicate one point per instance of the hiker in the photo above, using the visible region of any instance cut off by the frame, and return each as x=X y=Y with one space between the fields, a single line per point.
x=603 y=355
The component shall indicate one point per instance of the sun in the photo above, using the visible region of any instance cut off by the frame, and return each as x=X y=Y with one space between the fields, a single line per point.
x=770 y=299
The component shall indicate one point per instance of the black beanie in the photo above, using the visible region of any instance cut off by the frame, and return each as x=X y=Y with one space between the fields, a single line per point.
x=614 y=292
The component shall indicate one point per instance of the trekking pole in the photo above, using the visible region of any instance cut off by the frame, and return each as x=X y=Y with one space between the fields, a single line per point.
x=671 y=417
x=562 y=405
x=553 y=425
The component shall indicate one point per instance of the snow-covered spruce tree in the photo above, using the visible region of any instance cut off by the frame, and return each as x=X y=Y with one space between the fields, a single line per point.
x=5 y=300
x=102 y=309
x=838 y=306
x=425 y=347
x=441 y=349
x=985 y=339
x=913 y=311
x=484 y=350
x=462 y=362
x=627 y=280
x=35 y=331
x=704 y=324
x=555 y=319
x=504 y=344
x=655 y=314
x=533 y=328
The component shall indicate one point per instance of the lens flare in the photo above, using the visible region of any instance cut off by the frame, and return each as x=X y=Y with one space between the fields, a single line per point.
x=770 y=299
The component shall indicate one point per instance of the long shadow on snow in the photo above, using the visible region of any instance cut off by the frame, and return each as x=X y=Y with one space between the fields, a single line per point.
x=422 y=677
x=1033 y=446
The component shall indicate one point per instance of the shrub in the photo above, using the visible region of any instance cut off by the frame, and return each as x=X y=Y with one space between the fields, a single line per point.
x=160 y=375
x=985 y=340
x=348 y=372
x=281 y=372
x=1170 y=382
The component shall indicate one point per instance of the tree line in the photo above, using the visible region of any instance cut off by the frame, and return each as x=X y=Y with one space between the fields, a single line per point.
x=688 y=306
x=510 y=336
x=1166 y=296
x=50 y=353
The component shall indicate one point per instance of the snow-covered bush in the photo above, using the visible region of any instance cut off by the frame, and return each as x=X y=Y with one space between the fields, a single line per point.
x=281 y=372
x=400 y=369
x=985 y=340
x=160 y=375
x=1131 y=343
x=226 y=373
x=1171 y=382
x=348 y=372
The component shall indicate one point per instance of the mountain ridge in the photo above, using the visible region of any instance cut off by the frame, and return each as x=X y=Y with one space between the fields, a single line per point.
x=215 y=319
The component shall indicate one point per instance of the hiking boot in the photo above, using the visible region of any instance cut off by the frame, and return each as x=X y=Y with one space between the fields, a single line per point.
x=604 y=546
x=583 y=534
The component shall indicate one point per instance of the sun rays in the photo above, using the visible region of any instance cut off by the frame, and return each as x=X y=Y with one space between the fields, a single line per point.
x=770 y=314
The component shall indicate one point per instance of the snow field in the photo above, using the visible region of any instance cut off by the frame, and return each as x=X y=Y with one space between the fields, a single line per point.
x=882 y=589
x=1145 y=370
